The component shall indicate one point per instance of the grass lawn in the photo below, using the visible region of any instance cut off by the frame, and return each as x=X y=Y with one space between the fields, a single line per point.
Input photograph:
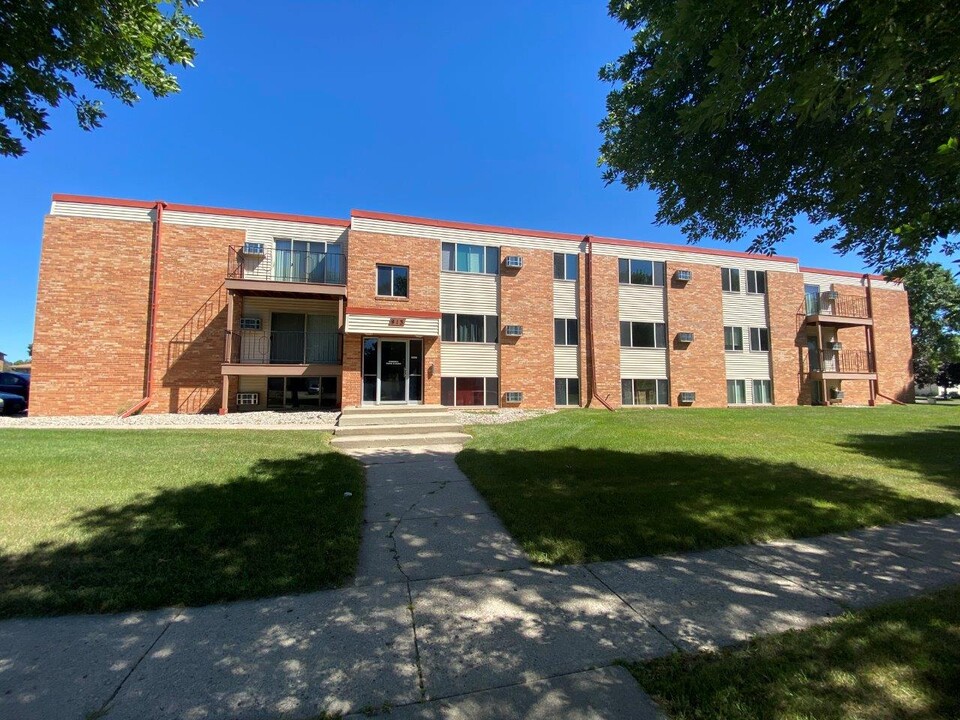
x=106 y=520
x=585 y=485
x=895 y=661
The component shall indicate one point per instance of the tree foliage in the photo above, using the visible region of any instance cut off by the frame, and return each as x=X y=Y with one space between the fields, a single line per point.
x=53 y=51
x=744 y=115
x=934 y=296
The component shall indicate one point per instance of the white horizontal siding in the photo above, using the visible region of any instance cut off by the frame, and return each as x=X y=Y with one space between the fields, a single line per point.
x=679 y=257
x=380 y=325
x=566 y=361
x=747 y=365
x=825 y=280
x=642 y=303
x=259 y=228
x=565 y=298
x=469 y=359
x=469 y=293
x=744 y=310
x=105 y=212
x=643 y=363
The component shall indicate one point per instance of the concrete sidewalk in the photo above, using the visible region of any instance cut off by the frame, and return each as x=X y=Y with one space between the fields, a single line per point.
x=447 y=619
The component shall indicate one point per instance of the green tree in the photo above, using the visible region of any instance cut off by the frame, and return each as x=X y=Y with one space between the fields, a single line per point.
x=934 y=296
x=744 y=115
x=50 y=47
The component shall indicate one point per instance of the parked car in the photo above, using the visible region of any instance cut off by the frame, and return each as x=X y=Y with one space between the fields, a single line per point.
x=11 y=404
x=16 y=384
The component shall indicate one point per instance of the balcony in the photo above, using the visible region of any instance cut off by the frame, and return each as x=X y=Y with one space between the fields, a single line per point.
x=287 y=272
x=281 y=352
x=834 y=308
x=840 y=365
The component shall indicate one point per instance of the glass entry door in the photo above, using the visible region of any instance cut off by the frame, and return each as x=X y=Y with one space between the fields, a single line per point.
x=393 y=371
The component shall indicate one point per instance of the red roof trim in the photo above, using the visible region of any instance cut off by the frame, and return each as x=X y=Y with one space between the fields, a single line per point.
x=388 y=312
x=203 y=210
x=412 y=220
x=842 y=273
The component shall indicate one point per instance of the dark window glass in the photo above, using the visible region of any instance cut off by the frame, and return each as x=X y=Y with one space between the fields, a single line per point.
x=400 y=275
x=470 y=391
x=732 y=338
x=572 y=266
x=558 y=269
x=644 y=335
x=573 y=391
x=447 y=256
x=370 y=356
x=572 y=332
x=730 y=279
x=663 y=392
x=645 y=392
x=493 y=328
x=659 y=272
x=384 y=280
x=369 y=388
x=447 y=395
x=624 y=270
x=626 y=392
x=560 y=391
x=493 y=260
x=493 y=391
x=559 y=331
x=625 y=334
x=661 y=331
x=641 y=272
x=756 y=281
x=416 y=357
x=448 y=324
x=759 y=339
x=470 y=328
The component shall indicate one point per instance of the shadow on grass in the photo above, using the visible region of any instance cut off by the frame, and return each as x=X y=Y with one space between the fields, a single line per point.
x=284 y=526
x=895 y=661
x=934 y=453
x=573 y=505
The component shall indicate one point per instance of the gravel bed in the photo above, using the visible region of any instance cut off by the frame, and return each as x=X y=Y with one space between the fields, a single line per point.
x=324 y=420
x=496 y=416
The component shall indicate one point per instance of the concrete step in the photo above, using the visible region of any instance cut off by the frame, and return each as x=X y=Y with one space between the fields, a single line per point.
x=398 y=409
x=397 y=429
x=384 y=418
x=375 y=442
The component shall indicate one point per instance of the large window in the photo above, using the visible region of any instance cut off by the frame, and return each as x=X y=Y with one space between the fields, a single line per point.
x=732 y=338
x=567 y=391
x=736 y=392
x=392 y=281
x=461 y=327
x=460 y=257
x=644 y=392
x=730 y=279
x=641 y=272
x=565 y=266
x=762 y=392
x=565 y=331
x=643 y=334
x=756 y=282
x=760 y=339
x=469 y=391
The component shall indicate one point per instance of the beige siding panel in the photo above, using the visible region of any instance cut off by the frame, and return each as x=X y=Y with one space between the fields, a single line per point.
x=679 y=257
x=642 y=303
x=565 y=294
x=744 y=310
x=469 y=359
x=825 y=280
x=380 y=325
x=748 y=365
x=566 y=361
x=104 y=212
x=258 y=228
x=469 y=293
x=643 y=363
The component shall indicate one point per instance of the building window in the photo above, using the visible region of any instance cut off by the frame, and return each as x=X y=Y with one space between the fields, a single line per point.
x=565 y=266
x=762 y=392
x=644 y=392
x=730 y=279
x=460 y=257
x=392 y=281
x=565 y=331
x=736 y=392
x=732 y=338
x=460 y=327
x=467 y=391
x=756 y=282
x=643 y=334
x=759 y=339
x=567 y=391
x=641 y=272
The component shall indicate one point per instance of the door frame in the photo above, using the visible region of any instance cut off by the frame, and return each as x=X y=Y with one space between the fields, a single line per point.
x=406 y=371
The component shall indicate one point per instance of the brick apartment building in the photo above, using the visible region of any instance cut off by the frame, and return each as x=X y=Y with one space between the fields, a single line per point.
x=159 y=308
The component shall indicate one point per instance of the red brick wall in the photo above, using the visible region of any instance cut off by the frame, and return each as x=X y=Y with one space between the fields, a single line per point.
x=91 y=321
x=366 y=250
x=351 y=383
x=606 y=331
x=696 y=306
x=787 y=338
x=526 y=298
x=891 y=324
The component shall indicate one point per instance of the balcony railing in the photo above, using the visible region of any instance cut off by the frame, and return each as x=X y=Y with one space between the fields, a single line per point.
x=302 y=266
x=845 y=362
x=287 y=347
x=836 y=304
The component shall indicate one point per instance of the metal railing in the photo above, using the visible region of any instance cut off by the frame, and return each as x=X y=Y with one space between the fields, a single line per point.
x=288 y=347
x=849 y=362
x=327 y=268
x=836 y=304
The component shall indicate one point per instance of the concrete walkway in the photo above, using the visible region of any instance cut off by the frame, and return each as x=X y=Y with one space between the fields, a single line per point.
x=447 y=619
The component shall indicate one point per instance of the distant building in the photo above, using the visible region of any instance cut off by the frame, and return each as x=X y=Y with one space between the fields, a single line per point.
x=4 y=365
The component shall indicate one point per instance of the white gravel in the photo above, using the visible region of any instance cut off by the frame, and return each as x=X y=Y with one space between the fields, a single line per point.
x=496 y=416
x=268 y=418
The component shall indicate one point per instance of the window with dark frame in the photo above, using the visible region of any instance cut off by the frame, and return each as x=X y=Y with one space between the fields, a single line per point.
x=641 y=272
x=732 y=338
x=467 y=328
x=465 y=258
x=643 y=334
x=469 y=391
x=736 y=392
x=757 y=282
x=759 y=339
x=565 y=331
x=393 y=281
x=567 y=391
x=762 y=392
x=730 y=279
x=565 y=266
x=644 y=391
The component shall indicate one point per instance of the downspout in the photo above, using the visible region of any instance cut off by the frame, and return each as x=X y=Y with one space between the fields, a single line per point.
x=152 y=317
x=591 y=352
x=871 y=346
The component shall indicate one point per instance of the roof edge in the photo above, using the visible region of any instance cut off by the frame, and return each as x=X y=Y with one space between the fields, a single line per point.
x=846 y=273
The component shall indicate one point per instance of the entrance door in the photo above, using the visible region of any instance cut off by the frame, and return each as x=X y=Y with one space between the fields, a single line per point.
x=393 y=371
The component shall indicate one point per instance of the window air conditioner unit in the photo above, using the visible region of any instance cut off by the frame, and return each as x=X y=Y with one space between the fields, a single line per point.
x=836 y=346
x=513 y=330
x=513 y=396
x=688 y=398
x=685 y=337
x=248 y=398
x=829 y=295
x=836 y=394
x=513 y=261
x=684 y=275
x=253 y=249
x=250 y=323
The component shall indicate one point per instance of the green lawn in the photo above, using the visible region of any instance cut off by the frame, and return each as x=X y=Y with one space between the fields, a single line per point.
x=101 y=520
x=892 y=662
x=585 y=485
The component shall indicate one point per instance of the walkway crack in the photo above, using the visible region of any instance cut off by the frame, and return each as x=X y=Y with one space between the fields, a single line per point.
x=793 y=581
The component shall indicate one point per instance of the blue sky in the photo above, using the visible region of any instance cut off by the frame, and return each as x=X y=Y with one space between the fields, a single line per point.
x=476 y=112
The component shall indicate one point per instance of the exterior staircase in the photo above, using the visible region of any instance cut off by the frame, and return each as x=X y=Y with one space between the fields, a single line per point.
x=393 y=426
